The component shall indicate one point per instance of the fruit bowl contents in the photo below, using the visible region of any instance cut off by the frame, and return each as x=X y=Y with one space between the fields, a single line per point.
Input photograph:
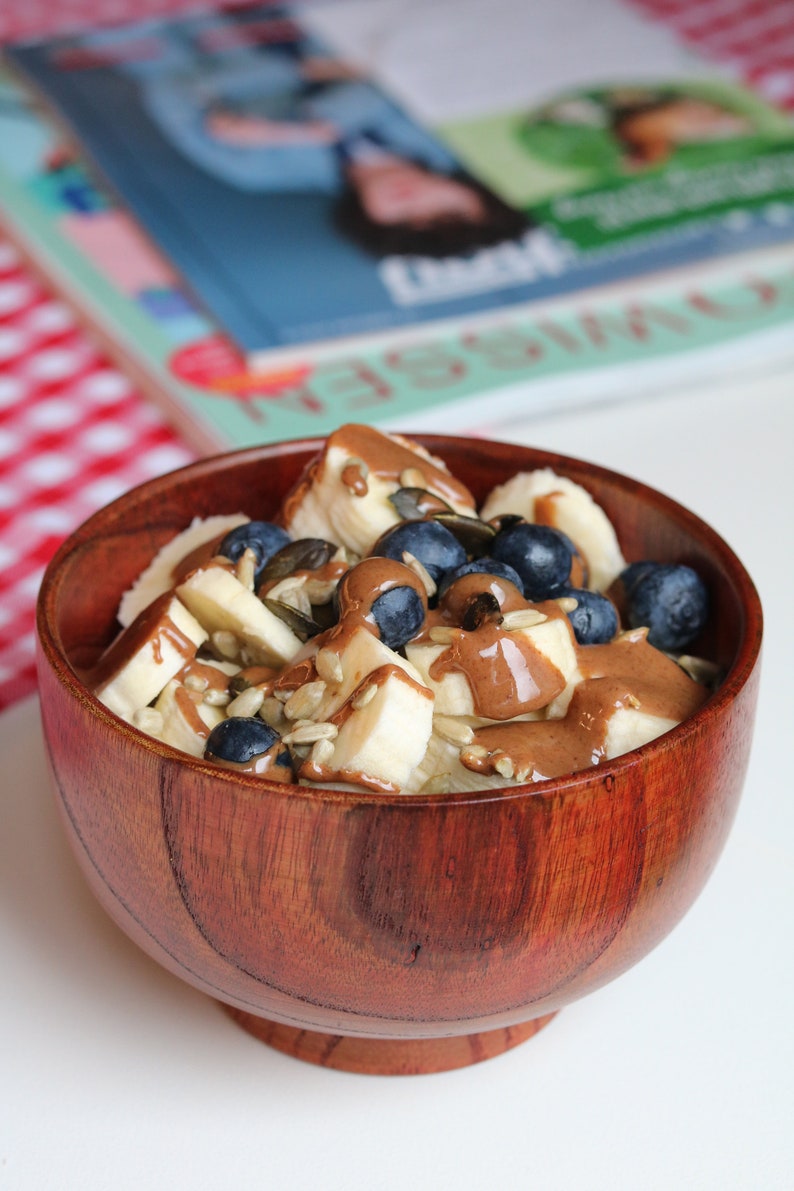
x=385 y=758
x=381 y=633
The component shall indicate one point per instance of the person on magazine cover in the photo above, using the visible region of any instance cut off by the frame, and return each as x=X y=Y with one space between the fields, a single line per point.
x=651 y=127
x=623 y=130
x=288 y=118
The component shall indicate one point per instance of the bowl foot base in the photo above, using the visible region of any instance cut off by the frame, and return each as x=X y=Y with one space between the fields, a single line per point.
x=387 y=1056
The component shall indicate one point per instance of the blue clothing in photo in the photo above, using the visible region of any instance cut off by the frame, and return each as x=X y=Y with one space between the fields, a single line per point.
x=273 y=89
x=186 y=82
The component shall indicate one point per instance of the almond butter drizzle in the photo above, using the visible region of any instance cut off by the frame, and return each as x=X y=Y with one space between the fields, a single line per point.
x=506 y=673
x=188 y=706
x=215 y=678
x=453 y=603
x=153 y=626
x=385 y=458
x=625 y=673
x=354 y=480
x=361 y=586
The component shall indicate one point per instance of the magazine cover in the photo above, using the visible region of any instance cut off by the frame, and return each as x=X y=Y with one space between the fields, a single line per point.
x=304 y=203
x=285 y=187
x=720 y=319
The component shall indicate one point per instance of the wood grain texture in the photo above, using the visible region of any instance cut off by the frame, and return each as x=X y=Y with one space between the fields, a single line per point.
x=383 y=918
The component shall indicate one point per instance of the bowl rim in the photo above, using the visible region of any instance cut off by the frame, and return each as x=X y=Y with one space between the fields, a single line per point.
x=48 y=645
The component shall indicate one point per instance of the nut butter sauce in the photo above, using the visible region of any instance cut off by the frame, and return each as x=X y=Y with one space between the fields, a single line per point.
x=627 y=673
x=383 y=457
x=507 y=674
x=153 y=626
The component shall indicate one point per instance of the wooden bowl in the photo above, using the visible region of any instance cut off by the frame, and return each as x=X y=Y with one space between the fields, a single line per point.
x=375 y=932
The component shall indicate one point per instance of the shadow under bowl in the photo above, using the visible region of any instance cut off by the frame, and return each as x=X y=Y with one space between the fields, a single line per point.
x=388 y=933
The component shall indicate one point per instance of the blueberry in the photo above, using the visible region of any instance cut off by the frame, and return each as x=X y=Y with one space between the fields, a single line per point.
x=263 y=537
x=634 y=572
x=669 y=599
x=541 y=555
x=437 y=549
x=399 y=614
x=482 y=566
x=240 y=739
x=594 y=619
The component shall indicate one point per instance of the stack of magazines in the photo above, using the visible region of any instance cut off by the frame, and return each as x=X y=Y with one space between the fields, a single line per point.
x=281 y=218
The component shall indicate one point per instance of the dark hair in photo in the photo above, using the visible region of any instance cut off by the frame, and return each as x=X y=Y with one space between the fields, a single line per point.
x=446 y=236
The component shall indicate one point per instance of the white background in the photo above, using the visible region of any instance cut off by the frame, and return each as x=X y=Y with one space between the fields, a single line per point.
x=446 y=62
x=114 y=1074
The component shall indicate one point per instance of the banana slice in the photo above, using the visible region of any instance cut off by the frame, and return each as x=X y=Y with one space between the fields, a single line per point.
x=147 y=655
x=344 y=497
x=452 y=686
x=159 y=575
x=440 y=771
x=362 y=654
x=629 y=728
x=221 y=603
x=383 y=732
x=191 y=704
x=554 y=500
x=186 y=722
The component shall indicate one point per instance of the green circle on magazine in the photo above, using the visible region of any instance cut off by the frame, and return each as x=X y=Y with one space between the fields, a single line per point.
x=571 y=146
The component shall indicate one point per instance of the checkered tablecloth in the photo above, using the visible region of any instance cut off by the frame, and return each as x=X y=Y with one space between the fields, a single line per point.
x=75 y=433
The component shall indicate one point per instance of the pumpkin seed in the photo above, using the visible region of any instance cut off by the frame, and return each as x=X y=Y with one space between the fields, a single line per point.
x=473 y=534
x=302 y=626
x=481 y=609
x=414 y=504
x=306 y=554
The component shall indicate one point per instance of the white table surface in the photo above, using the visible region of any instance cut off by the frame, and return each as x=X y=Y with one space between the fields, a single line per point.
x=115 y=1075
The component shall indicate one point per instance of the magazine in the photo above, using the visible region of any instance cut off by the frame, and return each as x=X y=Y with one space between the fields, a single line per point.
x=626 y=343
x=268 y=151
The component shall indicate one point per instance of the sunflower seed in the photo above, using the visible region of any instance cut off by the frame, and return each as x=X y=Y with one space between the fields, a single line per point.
x=322 y=752
x=307 y=732
x=504 y=766
x=196 y=682
x=303 y=702
x=413 y=477
x=567 y=603
x=453 y=730
x=443 y=634
x=272 y=712
x=364 y=696
x=247 y=703
x=522 y=618
x=329 y=666
x=473 y=752
x=225 y=643
x=426 y=579
x=246 y=568
x=148 y=720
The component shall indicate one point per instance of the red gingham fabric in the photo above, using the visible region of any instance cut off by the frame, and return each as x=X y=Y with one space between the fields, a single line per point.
x=754 y=38
x=74 y=432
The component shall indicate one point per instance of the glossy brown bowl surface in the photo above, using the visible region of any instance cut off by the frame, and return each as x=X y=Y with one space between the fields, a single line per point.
x=388 y=932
